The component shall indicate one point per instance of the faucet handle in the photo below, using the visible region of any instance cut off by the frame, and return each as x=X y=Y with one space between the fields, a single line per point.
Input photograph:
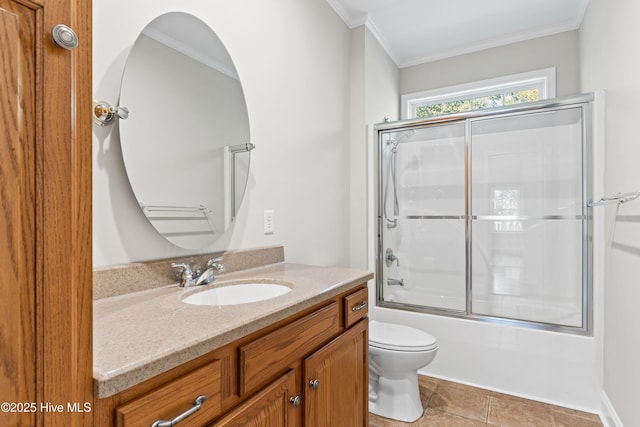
x=214 y=260
x=215 y=263
x=389 y=258
x=186 y=277
x=186 y=268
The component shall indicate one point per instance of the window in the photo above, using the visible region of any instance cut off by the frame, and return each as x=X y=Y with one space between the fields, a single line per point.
x=506 y=202
x=502 y=91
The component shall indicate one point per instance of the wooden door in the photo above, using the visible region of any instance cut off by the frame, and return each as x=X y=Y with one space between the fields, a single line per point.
x=271 y=407
x=336 y=381
x=45 y=215
x=17 y=218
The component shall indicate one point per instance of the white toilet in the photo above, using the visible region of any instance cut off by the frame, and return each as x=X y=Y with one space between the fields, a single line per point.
x=396 y=352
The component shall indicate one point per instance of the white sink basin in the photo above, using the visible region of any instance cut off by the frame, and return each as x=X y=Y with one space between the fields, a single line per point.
x=237 y=293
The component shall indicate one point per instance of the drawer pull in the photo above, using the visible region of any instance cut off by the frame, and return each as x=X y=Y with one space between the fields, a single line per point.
x=362 y=306
x=295 y=401
x=197 y=404
x=314 y=384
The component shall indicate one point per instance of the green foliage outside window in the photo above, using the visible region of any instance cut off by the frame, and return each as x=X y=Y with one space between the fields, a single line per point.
x=462 y=105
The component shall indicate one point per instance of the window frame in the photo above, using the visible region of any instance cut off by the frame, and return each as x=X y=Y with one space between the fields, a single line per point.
x=544 y=80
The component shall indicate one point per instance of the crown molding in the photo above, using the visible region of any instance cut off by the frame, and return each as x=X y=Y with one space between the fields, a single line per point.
x=187 y=50
x=373 y=28
x=350 y=19
x=356 y=19
x=489 y=44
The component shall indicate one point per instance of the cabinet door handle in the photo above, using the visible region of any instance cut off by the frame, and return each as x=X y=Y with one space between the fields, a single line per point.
x=314 y=384
x=64 y=37
x=197 y=404
x=295 y=401
x=362 y=306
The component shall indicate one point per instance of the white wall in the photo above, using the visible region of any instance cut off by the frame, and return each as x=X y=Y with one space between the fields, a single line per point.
x=293 y=58
x=383 y=83
x=559 y=50
x=608 y=52
x=358 y=148
x=374 y=96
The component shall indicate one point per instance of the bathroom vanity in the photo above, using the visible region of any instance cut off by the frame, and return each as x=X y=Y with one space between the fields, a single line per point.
x=166 y=355
x=299 y=359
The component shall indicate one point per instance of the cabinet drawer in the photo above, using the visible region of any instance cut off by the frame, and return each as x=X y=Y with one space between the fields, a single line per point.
x=263 y=359
x=176 y=397
x=356 y=307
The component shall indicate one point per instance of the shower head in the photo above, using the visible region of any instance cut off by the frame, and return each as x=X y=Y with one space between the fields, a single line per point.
x=395 y=142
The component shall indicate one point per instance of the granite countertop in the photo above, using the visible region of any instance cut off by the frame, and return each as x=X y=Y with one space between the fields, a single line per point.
x=139 y=335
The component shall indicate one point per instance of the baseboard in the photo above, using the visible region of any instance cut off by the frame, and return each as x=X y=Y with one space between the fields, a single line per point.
x=608 y=414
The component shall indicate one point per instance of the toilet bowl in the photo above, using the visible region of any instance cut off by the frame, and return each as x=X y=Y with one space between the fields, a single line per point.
x=396 y=352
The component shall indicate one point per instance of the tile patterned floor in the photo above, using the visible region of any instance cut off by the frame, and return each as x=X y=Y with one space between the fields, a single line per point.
x=450 y=404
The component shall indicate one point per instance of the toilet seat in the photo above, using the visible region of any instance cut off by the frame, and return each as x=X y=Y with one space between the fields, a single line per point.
x=391 y=336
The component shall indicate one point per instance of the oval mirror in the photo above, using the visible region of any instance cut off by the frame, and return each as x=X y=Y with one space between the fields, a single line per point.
x=185 y=144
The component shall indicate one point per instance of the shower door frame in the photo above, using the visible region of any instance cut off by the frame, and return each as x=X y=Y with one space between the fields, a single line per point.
x=582 y=101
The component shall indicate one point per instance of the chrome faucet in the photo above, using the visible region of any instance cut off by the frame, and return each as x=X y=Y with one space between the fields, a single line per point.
x=189 y=277
x=395 y=282
x=389 y=258
x=208 y=276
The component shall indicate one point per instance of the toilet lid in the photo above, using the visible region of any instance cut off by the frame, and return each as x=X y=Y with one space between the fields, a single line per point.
x=392 y=336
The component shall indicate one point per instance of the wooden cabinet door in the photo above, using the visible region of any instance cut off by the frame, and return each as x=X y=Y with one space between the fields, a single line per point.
x=271 y=407
x=45 y=215
x=336 y=381
x=17 y=212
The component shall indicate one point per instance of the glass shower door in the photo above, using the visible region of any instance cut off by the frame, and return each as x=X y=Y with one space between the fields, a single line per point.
x=527 y=220
x=423 y=209
x=484 y=216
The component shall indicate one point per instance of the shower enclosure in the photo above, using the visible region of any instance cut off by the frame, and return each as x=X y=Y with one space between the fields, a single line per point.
x=485 y=215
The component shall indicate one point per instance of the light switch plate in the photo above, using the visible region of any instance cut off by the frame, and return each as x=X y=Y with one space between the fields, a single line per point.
x=268 y=222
